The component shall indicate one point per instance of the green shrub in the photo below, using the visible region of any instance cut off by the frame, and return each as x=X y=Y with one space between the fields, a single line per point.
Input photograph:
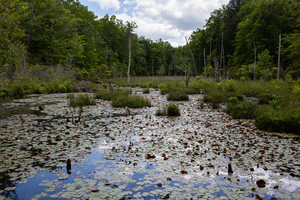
x=162 y=91
x=130 y=101
x=177 y=97
x=173 y=110
x=265 y=98
x=105 y=95
x=80 y=100
x=232 y=100
x=146 y=91
x=161 y=111
x=104 y=85
x=279 y=120
x=241 y=110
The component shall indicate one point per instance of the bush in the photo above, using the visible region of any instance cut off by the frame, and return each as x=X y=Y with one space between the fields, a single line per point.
x=146 y=91
x=106 y=95
x=266 y=98
x=162 y=91
x=241 y=110
x=232 y=100
x=130 y=101
x=80 y=100
x=177 y=97
x=279 y=120
x=173 y=110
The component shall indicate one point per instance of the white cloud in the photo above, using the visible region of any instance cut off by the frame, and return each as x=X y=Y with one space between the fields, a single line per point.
x=107 y=4
x=167 y=19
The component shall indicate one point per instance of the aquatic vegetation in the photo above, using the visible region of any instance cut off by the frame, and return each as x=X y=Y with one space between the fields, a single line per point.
x=143 y=156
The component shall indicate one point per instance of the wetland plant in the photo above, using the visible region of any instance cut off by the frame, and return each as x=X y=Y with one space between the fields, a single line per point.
x=177 y=96
x=161 y=111
x=130 y=101
x=146 y=91
x=173 y=110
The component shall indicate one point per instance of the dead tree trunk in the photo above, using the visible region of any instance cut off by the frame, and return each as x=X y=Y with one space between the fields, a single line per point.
x=204 y=61
x=129 y=59
x=216 y=70
x=192 y=56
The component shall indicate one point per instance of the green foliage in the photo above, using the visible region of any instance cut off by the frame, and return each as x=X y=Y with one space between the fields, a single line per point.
x=130 y=101
x=146 y=91
x=279 y=120
x=104 y=85
x=80 y=100
x=241 y=110
x=232 y=100
x=173 y=110
x=265 y=98
x=177 y=96
x=106 y=95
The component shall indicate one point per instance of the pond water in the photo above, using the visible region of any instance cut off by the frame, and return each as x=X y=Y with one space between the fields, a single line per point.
x=141 y=156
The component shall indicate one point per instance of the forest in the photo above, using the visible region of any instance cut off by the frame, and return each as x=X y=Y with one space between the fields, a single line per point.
x=47 y=45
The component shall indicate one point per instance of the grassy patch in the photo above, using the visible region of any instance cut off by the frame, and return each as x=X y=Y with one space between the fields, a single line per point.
x=80 y=100
x=176 y=96
x=173 y=110
x=146 y=91
x=130 y=101
x=241 y=110
x=106 y=95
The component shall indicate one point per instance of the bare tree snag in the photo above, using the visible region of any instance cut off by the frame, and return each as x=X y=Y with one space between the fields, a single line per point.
x=127 y=111
x=192 y=56
x=216 y=70
x=111 y=88
x=204 y=61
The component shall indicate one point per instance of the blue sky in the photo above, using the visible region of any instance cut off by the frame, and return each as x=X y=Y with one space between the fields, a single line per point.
x=170 y=20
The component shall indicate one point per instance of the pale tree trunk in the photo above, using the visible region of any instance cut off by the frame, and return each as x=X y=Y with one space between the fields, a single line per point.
x=210 y=50
x=204 y=61
x=221 y=57
x=184 y=63
x=129 y=59
x=216 y=70
x=254 y=58
x=192 y=56
x=279 y=57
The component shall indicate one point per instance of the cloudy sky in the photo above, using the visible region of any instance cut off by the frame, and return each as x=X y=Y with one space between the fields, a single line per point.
x=170 y=20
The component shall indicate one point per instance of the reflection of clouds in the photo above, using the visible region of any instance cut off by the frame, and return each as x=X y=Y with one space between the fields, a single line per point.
x=127 y=172
x=289 y=185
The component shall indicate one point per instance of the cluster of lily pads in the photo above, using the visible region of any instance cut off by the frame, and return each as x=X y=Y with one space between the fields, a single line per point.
x=143 y=155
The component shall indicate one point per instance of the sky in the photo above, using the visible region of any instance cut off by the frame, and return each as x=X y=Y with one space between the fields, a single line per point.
x=170 y=20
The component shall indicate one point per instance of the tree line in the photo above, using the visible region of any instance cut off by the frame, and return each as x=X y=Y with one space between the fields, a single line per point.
x=49 y=33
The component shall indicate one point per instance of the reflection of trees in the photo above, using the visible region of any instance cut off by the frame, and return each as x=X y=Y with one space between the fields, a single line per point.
x=5 y=182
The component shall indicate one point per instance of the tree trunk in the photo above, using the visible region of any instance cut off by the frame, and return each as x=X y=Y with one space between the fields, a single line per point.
x=129 y=59
x=210 y=50
x=192 y=56
x=221 y=56
x=204 y=61
x=216 y=70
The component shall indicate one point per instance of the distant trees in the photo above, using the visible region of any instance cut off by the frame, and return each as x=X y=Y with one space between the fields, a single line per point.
x=65 y=33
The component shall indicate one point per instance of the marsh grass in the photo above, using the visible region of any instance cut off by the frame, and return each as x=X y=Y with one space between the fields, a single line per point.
x=80 y=100
x=130 y=101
